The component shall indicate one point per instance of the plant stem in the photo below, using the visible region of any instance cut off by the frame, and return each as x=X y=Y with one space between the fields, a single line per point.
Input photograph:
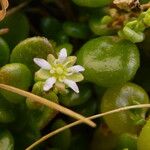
x=17 y=8
x=47 y=103
x=145 y=6
x=42 y=139
x=4 y=31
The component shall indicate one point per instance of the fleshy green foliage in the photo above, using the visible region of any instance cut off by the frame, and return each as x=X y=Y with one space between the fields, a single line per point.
x=76 y=30
x=50 y=26
x=17 y=75
x=63 y=139
x=18 y=26
x=36 y=47
x=4 y=52
x=74 y=99
x=134 y=30
x=101 y=138
x=108 y=61
x=99 y=26
x=120 y=96
x=143 y=139
x=40 y=116
x=26 y=138
x=128 y=141
x=7 y=114
x=6 y=140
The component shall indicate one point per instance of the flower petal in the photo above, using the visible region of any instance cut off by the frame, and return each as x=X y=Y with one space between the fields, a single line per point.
x=51 y=59
x=49 y=83
x=62 y=54
x=70 y=61
x=77 y=77
x=72 y=85
x=76 y=69
x=42 y=75
x=42 y=63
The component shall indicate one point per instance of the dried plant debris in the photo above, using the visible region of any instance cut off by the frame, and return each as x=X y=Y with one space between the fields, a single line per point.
x=127 y=4
x=4 y=6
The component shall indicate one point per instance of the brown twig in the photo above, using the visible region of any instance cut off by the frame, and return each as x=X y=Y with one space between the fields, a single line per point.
x=80 y=121
x=47 y=103
x=17 y=8
x=4 y=31
x=145 y=6
x=4 y=5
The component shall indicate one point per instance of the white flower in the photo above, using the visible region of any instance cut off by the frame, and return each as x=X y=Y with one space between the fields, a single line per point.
x=59 y=72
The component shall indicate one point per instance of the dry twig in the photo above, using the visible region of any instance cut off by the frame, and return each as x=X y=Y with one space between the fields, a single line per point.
x=47 y=103
x=80 y=121
x=4 y=5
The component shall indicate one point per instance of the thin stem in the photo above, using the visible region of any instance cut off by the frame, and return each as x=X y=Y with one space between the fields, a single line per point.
x=42 y=139
x=119 y=109
x=45 y=102
x=4 y=31
x=17 y=8
x=145 y=6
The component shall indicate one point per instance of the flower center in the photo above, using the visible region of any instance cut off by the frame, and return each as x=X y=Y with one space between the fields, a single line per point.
x=59 y=70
